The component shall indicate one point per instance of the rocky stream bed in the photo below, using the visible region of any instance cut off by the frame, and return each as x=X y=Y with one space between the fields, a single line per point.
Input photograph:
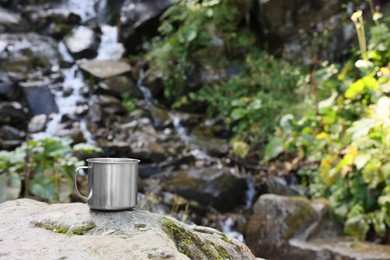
x=64 y=72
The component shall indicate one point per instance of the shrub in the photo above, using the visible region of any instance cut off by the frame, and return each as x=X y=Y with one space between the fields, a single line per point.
x=348 y=137
x=42 y=167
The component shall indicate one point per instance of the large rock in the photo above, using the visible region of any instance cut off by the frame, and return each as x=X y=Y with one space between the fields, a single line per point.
x=295 y=25
x=22 y=54
x=208 y=186
x=13 y=112
x=103 y=69
x=12 y=22
x=81 y=42
x=293 y=227
x=139 y=20
x=36 y=230
x=39 y=98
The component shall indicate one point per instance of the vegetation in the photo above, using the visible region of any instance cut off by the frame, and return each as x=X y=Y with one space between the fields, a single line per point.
x=248 y=88
x=341 y=148
x=42 y=168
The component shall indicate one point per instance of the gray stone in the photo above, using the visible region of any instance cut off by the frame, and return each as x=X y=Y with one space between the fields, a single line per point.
x=294 y=25
x=105 y=68
x=37 y=123
x=11 y=133
x=12 y=22
x=119 y=86
x=12 y=112
x=208 y=186
x=296 y=228
x=39 y=98
x=81 y=42
x=73 y=231
x=136 y=20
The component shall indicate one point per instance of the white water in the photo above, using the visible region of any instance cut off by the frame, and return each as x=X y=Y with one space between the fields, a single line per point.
x=84 y=8
x=110 y=48
x=227 y=226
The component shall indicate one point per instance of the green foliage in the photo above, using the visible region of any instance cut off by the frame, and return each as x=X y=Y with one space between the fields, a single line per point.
x=197 y=32
x=348 y=136
x=253 y=100
x=128 y=103
x=44 y=166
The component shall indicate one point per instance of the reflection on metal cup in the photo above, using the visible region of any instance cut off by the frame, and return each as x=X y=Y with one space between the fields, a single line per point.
x=112 y=183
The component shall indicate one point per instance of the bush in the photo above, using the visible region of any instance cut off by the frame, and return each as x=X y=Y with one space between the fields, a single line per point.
x=341 y=150
x=42 y=167
x=211 y=36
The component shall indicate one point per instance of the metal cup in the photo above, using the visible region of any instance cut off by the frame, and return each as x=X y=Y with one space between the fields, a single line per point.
x=112 y=183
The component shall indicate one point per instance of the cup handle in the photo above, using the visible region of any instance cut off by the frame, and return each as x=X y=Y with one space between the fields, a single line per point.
x=75 y=183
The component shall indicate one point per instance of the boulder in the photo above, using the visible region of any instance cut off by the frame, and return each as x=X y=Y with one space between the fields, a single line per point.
x=208 y=186
x=11 y=133
x=23 y=54
x=296 y=228
x=103 y=69
x=12 y=22
x=37 y=123
x=39 y=98
x=73 y=231
x=294 y=25
x=81 y=42
x=13 y=113
x=119 y=86
x=139 y=20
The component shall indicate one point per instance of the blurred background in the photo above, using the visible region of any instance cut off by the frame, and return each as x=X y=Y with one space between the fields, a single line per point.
x=221 y=100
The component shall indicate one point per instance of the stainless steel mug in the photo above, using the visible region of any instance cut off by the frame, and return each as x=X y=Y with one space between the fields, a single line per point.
x=112 y=183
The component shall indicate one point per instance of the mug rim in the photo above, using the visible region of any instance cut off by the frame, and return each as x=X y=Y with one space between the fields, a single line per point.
x=113 y=160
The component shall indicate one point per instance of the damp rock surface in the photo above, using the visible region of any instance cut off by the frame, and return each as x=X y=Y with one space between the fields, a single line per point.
x=36 y=230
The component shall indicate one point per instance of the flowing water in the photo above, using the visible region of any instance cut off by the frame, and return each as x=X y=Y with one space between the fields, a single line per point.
x=73 y=83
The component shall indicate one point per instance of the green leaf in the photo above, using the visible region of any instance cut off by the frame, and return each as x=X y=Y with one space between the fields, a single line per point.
x=10 y=186
x=238 y=113
x=273 y=148
x=43 y=187
x=361 y=160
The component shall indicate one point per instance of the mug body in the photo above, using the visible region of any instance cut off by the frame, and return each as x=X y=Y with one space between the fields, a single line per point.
x=112 y=183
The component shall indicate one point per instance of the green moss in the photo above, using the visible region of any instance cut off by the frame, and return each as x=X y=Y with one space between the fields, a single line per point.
x=221 y=251
x=141 y=227
x=191 y=245
x=52 y=227
x=203 y=231
x=83 y=229
x=226 y=239
x=302 y=214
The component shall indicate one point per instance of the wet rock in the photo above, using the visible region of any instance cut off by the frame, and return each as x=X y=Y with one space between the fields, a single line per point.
x=119 y=86
x=37 y=123
x=81 y=42
x=39 y=98
x=8 y=91
x=116 y=147
x=104 y=68
x=203 y=138
x=27 y=55
x=75 y=133
x=154 y=82
x=12 y=22
x=296 y=228
x=208 y=186
x=293 y=25
x=148 y=151
x=11 y=133
x=13 y=113
x=139 y=20
x=160 y=117
x=136 y=234
x=110 y=105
